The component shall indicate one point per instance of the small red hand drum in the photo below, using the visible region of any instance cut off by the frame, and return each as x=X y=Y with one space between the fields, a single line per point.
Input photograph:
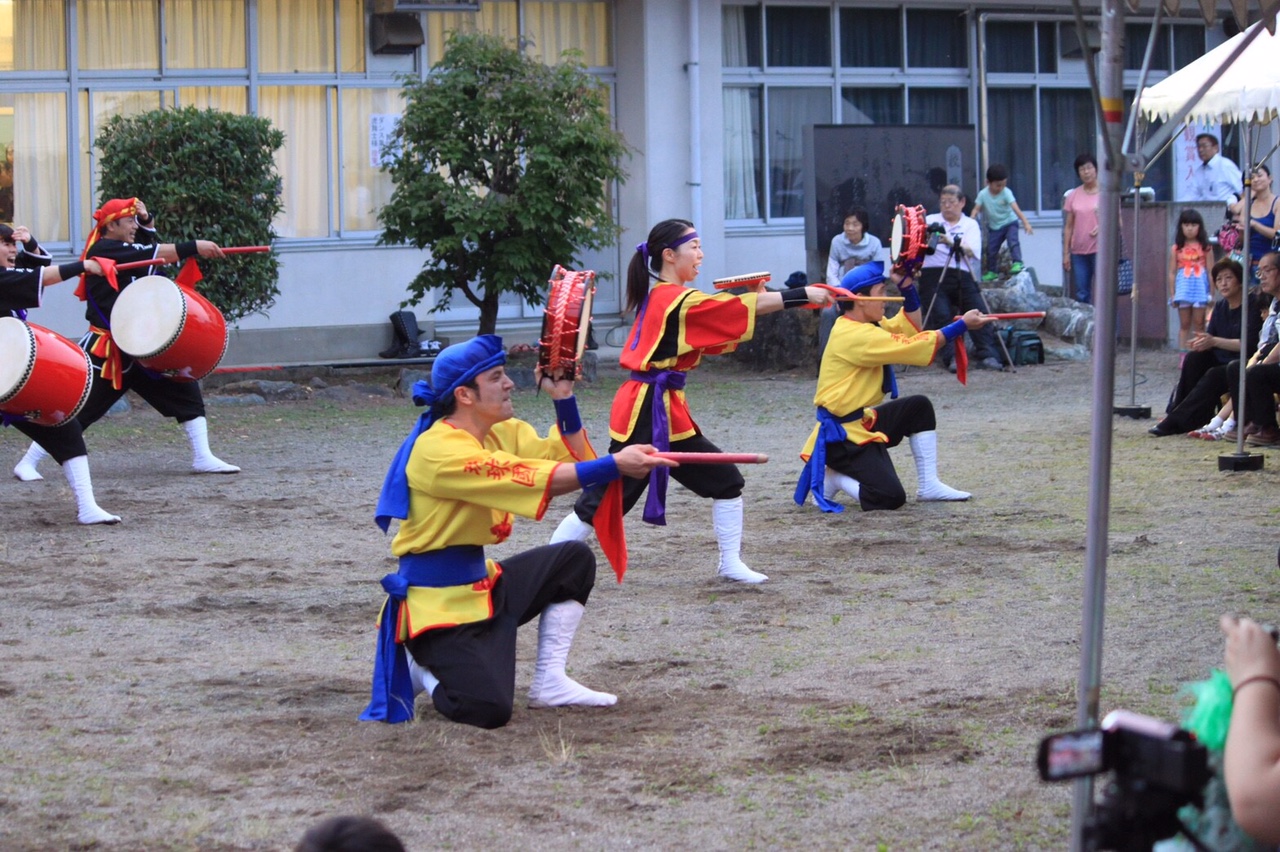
x=751 y=279
x=907 y=239
x=566 y=323
x=44 y=377
x=169 y=329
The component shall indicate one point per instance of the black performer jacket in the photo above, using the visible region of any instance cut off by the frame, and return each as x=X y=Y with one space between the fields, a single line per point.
x=102 y=296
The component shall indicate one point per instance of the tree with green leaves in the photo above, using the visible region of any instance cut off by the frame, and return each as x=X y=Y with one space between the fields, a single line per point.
x=205 y=174
x=502 y=168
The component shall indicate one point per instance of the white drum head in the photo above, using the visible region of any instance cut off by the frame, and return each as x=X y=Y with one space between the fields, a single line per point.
x=17 y=353
x=147 y=316
x=895 y=237
x=584 y=318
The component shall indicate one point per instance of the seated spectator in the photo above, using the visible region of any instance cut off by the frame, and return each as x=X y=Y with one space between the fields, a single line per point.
x=349 y=834
x=1252 y=756
x=1262 y=376
x=1203 y=379
x=852 y=247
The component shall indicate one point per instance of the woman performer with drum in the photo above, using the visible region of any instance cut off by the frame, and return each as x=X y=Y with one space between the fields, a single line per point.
x=675 y=326
x=123 y=233
x=22 y=287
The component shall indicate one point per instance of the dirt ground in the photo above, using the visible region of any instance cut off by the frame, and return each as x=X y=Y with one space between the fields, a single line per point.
x=191 y=678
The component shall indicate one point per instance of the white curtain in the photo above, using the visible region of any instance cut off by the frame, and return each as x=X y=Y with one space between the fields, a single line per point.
x=232 y=99
x=351 y=34
x=790 y=109
x=40 y=165
x=300 y=111
x=205 y=33
x=741 y=154
x=365 y=188
x=39 y=35
x=556 y=27
x=496 y=17
x=118 y=35
x=295 y=36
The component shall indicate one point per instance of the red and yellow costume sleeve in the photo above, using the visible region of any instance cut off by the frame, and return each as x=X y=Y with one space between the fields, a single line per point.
x=852 y=372
x=704 y=324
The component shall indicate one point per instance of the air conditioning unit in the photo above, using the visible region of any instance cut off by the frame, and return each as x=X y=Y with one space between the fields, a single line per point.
x=395 y=32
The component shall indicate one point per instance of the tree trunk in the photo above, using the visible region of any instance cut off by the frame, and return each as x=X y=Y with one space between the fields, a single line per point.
x=489 y=314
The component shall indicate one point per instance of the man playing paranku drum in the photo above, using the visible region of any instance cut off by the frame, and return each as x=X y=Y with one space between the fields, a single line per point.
x=24 y=273
x=123 y=233
x=848 y=449
x=467 y=467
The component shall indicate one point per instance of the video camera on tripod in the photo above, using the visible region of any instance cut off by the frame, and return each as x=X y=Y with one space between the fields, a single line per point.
x=933 y=231
x=1156 y=768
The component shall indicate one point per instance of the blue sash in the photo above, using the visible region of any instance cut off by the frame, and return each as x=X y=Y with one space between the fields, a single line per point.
x=391 y=698
x=830 y=430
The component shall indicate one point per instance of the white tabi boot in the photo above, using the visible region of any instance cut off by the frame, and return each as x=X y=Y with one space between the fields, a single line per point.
x=726 y=517
x=77 y=471
x=572 y=528
x=551 y=687
x=26 y=469
x=423 y=679
x=834 y=482
x=202 y=459
x=924 y=446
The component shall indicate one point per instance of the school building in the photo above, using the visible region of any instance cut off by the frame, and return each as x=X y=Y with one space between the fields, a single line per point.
x=711 y=96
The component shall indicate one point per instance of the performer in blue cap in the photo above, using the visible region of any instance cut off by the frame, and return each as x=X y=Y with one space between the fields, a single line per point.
x=848 y=449
x=449 y=624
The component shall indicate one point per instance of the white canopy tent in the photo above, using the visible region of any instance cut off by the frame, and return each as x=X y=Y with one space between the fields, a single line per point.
x=1247 y=90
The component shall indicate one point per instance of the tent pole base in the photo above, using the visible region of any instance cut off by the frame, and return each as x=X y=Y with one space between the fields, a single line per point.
x=1137 y=412
x=1240 y=461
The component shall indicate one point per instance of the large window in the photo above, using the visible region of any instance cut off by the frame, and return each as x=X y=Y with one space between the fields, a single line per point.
x=906 y=64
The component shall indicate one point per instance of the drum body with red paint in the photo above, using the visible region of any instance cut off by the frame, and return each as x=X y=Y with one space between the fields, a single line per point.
x=169 y=329
x=44 y=377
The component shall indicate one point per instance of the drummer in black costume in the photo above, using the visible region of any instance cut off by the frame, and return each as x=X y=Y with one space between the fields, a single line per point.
x=25 y=271
x=123 y=233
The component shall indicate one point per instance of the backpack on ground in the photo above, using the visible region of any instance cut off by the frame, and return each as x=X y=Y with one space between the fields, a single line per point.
x=1024 y=345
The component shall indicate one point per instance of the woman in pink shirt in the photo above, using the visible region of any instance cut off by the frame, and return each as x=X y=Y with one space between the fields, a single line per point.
x=1080 y=228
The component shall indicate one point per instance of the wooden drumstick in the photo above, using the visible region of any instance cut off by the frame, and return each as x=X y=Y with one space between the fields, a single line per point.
x=1017 y=316
x=750 y=279
x=714 y=458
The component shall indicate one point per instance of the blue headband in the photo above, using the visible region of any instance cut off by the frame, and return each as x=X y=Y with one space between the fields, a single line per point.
x=643 y=248
x=454 y=367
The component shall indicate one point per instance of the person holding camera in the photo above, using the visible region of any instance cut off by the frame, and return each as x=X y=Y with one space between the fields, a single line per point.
x=1252 y=756
x=948 y=286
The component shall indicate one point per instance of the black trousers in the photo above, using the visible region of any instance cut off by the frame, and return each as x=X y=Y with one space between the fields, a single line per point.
x=1194 y=367
x=180 y=400
x=476 y=663
x=878 y=483
x=1262 y=383
x=1201 y=401
x=62 y=442
x=951 y=295
x=712 y=481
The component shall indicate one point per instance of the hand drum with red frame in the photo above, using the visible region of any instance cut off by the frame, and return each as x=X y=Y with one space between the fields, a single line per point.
x=566 y=324
x=907 y=240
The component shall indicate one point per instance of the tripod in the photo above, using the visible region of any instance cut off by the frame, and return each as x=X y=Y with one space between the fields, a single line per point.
x=955 y=249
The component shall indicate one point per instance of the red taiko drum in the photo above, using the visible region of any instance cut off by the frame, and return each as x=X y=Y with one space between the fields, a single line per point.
x=169 y=329
x=44 y=377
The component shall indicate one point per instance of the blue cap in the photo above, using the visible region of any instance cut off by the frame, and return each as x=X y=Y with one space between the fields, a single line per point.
x=458 y=364
x=863 y=277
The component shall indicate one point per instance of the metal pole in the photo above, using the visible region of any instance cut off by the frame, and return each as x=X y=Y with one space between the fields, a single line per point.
x=1110 y=93
x=1133 y=298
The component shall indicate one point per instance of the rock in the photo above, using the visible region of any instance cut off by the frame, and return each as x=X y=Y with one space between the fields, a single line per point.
x=1017 y=295
x=317 y=383
x=268 y=389
x=408 y=378
x=784 y=340
x=236 y=399
x=520 y=368
x=121 y=406
x=353 y=393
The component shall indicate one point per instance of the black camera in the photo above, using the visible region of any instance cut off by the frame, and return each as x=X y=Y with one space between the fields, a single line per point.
x=933 y=230
x=1156 y=768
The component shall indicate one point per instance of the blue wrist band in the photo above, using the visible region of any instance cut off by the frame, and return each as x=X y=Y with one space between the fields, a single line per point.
x=597 y=472
x=953 y=330
x=567 y=417
x=910 y=297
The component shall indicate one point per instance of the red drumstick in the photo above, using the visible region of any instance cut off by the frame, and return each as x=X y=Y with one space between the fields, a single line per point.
x=715 y=458
x=155 y=261
x=245 y=249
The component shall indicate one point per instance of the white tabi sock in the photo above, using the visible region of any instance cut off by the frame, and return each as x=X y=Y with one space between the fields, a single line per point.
x=572 y=528
x=26 y=469
x=834 y=482
x=202 y=459
x=77 y=471
x=726 y=517
x=422 y=678
x=924 y=447
x=551 y=687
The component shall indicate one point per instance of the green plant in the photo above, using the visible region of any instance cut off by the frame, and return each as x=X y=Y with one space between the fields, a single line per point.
x=203 y=174
x=501 y=168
